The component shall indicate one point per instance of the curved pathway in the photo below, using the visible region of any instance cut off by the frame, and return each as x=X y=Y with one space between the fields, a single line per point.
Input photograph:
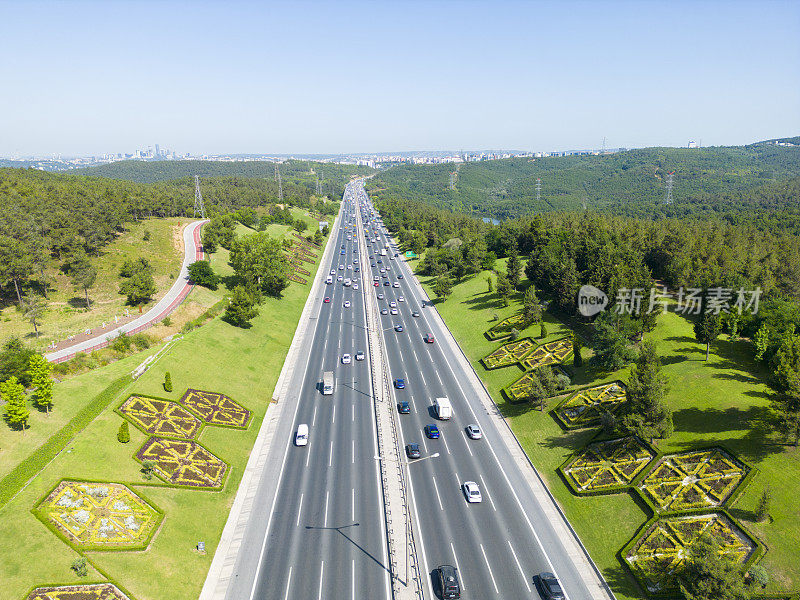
x=192 y=251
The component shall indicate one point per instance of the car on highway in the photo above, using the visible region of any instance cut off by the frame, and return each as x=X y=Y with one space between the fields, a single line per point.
x=398 y=328
x=474 y=432
x=355 y=286
x=333 y=272
x=403 y=408
x=549 y=587
x=380 y=295
x=384 y=311
x=349 y=266
x=326 y=300
x=373 y=265
x=428 y=338
x=386 y=283
x=339 y=278
x=347 y=304
x=346 y=359
x=415 y=314
x=472 y=491
x=380 y=262
x=399 y=275
x=360 y=355
x=341 y=267
x=412 y=450
x=400 y=383
x=401 y=299
x=376 y=283
x=432 y=432
x=393 y=311
x=449 y=587
x=301 y=437
x=341 y=251
x=396 y=284
x=392 y=304
x=357 y=270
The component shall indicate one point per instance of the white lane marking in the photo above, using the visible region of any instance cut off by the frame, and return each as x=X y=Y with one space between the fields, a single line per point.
x=353 y=505
x=353 y=452
x=466 y=441
x=333 y=418
x=519 y=566
x=458 y=479
x=353 y=579
x=288 y=584
x=423 y=378
x=299 y=511
x=424 y=445
x=325 y=519
x=314 y=418
x=494 y=583
x=486 y=491
x=330 y=455
x=441 y=436
x=461 y=574
x=308 y=455
x=321 y=574
x=438 y=497
x=353 y=414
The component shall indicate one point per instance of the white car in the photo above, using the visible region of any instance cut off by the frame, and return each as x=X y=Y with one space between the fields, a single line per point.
x=393 y=311
x=341 y=267
x=346 y=359
x=301 y=437
x=355 y=286
x=472 y=492
x=393 y=304
x=333 y=272
x=401 y=299
x=396 y=284
x=474 y=432
x=360 y=355
x=347 y=303
x=339 y=278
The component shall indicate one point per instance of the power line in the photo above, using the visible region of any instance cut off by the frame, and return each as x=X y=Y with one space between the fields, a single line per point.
x=198 y=199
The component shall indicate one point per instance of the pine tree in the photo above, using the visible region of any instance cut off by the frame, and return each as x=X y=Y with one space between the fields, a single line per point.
x=531 y=310
x=240 y=310
x=503 y=289
x=167 y=382
x=761 y=342
x=39 y=369
x=707 y=329
x=16 y=412
x=707 y=575
x=443 y=287
x=762 y=510
x=646 y=413
x=489 y=285
x=514 y=268
x=543 y=330
x=577 y=359
x=124 y=434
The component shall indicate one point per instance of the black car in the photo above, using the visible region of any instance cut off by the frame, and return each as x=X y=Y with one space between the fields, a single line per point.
x=448 y=581
x=399 y=275
x=403 y=408
x=550 y=588
x=412 y=451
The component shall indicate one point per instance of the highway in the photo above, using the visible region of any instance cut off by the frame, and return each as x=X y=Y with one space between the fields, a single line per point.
x=500 y=544
x=325 y=528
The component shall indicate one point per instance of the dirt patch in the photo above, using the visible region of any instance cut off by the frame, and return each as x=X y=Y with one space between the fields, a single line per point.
x=177 y=237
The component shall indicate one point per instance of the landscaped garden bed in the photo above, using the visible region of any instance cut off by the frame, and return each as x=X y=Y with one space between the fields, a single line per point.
x=508 y=354
x=552 y=353
x=157 y=416
x=183 y=463
x=693 y=480
x=92 y=515
x=660 y=550
x=90 y=591
x=607 y=466
x=584 y=408
x=503 y=328
x=216 y=409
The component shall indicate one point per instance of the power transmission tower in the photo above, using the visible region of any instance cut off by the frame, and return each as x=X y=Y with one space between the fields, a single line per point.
x=538 y=190
x=668 y=194
x=198 y=199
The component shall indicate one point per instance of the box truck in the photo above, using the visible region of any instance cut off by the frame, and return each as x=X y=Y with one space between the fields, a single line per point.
x=444 y=410
x=327 y=383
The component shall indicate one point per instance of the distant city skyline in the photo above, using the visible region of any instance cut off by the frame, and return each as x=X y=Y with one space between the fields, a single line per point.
x=93 y=78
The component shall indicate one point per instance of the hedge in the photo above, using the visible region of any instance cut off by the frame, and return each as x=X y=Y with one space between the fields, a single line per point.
x=31 y=466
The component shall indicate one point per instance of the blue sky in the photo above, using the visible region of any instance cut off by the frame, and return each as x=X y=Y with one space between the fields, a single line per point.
x=302 y=77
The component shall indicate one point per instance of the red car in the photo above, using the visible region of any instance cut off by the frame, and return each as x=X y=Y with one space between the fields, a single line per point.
x=428 y=338
x=377 y=283
x=326 y=300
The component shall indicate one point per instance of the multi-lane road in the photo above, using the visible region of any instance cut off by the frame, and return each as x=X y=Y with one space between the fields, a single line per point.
x=323 y=533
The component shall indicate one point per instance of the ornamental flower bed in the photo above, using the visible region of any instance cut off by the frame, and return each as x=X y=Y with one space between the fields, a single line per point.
x=508 y=354
x=549 y=354
x=518 y=391
x=92 y=591
x=216 y=409
x=656 y=555
x=157 y=416
x=607 y=466
x=297 y=279
x=695 y=479
x=98 y=515
x=503 y=328
x=583 y=409
x=184 y=463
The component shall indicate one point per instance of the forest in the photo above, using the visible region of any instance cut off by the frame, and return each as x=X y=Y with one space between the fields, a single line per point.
x=742 y=182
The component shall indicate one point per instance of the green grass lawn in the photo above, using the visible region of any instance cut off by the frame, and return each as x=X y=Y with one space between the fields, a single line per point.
x=241 y=363
x=723 y=401
x=67 y=312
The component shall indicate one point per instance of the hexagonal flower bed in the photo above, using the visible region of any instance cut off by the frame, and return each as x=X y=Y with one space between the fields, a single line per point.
x=216 y=409
x=99 y=515
x=607 y=466
x=583 y=409
x=508 y=354
x=695 y=479
x=551 y=353
x=90 y=591
x=518 y=391
x=184 y=463
x=656 y=554
x=160 y=417
x=503 y=328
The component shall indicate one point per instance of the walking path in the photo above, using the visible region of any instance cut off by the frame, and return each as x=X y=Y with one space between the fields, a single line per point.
x=192 y=251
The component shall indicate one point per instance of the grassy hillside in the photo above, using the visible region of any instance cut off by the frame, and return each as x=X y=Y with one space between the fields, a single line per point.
x=507 y=188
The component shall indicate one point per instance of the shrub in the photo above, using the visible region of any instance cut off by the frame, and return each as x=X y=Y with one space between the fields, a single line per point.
x=201 y=273
x=543 y=330
x=759 y=576
x=514 y=333
x=124 y=434
x=166 y=321
x=167 y=382
x=762 y=509
x=147 y=469
x=562 y=381
x=146 y=235
x=79 y=566
x=122 y=343
x=141 y=341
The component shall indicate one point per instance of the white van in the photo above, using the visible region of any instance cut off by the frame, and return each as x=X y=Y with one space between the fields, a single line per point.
x=444 y=410
x=329 y=279
x=301 y=437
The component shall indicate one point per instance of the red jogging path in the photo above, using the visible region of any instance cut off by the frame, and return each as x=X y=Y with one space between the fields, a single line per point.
x=192 y=251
